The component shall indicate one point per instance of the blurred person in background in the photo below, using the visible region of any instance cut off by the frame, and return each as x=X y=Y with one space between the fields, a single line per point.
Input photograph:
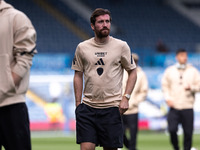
x=130 y=117
x=180 y=82
x=161 y=47
x=101 y=60
x=17 y=47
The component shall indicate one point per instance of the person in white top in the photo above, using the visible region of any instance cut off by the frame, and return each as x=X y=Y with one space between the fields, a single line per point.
x=180 y=82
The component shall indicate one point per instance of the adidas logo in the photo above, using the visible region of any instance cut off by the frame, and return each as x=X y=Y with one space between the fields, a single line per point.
x=100 y=69
x=100 y=62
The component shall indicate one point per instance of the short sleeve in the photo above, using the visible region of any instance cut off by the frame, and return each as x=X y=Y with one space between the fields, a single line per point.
x=126 y=58
x=77 y=63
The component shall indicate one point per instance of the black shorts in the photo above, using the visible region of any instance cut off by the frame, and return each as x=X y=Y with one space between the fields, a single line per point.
x=99 y=126
x=14 y=127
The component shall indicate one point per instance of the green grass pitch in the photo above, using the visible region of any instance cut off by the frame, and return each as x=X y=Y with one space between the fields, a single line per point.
x=147 y=140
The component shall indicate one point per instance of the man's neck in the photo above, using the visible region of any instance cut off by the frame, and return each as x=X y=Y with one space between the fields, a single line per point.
x=180 y=66
x=101 y=40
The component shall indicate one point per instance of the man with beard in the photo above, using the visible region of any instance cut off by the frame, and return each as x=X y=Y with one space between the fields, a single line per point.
x=101 y=60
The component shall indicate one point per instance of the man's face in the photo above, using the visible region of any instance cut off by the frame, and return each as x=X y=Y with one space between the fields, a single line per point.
x=102 y=26
x=182 y=57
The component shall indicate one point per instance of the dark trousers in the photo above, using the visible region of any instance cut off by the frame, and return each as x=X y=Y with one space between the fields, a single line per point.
x=185 y=118
x=14 y=127
x=131 y=123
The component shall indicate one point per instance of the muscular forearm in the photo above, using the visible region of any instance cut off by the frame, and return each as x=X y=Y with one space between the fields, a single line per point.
x=131 y=81
x=78 y=86
x=124 y=105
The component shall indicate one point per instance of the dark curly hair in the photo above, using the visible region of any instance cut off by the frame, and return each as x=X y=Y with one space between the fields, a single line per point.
x=98 y=12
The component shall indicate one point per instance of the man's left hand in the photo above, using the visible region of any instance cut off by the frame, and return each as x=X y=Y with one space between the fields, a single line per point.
x=187 y=88
x=123 y=106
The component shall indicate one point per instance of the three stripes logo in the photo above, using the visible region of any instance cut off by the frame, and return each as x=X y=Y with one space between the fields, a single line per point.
x=100 y=69
x=100 y=62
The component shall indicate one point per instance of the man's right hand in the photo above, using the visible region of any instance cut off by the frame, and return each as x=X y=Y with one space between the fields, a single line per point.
x=77 y=103
x=170 y=103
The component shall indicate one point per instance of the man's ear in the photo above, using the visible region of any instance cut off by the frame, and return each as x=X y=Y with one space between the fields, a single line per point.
x=176 y=58
x=92 y=26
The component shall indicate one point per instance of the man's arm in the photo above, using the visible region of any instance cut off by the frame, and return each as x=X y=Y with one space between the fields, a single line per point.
x=78 y=86
x=142 y=89
x=123 y=106
x=166 y=89
x=24 y=46
x=195 y=86
x=16 y=79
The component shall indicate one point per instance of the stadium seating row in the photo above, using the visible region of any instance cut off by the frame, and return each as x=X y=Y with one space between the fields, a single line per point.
x=142 y=23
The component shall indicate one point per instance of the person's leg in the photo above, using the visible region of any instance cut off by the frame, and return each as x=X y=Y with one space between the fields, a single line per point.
x=125 y=127
x=87 y=146
x=187 y=119
x=15 y=130
x=133 y=125
x=173 y=121
x=86 y=134
x=110 y=128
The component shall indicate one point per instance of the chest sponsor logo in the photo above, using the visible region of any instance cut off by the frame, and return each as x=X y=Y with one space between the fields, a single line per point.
x=101 y=54
x=100 y=70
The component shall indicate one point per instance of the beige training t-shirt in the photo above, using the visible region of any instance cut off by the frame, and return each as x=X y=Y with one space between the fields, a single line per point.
x=102 y=65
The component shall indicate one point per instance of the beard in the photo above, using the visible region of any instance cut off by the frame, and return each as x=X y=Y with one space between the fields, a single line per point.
x=102 y=33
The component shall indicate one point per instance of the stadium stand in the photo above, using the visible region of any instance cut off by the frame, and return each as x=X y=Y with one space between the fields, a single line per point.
x=52 y=35
x=142 y=23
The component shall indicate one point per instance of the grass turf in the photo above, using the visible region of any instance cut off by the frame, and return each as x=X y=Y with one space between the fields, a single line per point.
x=146 y=141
